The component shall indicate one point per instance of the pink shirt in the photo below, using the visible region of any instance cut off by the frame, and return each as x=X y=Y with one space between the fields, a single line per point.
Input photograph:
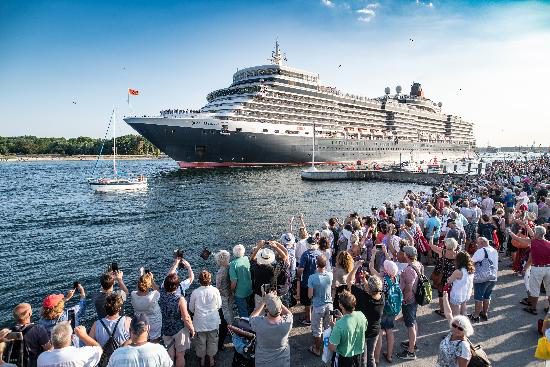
x=540 y=252
x=408 y=276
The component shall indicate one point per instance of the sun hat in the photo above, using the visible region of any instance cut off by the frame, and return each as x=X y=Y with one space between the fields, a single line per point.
x=310 y=243
x=288 y=239
x=273 y=305
x=52 y=300
x=265 y=256
x=374 y=284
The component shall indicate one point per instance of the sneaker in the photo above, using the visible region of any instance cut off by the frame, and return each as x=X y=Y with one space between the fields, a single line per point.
x=306 y=323
x=483 y=316
x=474 y=318
x=405 y=345
x=406 y=355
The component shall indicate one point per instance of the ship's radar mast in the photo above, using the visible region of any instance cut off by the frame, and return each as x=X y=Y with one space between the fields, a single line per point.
x=276 y=57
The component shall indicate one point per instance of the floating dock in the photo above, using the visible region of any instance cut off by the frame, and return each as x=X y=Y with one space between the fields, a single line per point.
x=379 y=175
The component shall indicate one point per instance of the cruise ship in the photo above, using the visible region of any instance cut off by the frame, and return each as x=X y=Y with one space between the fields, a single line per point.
x=277 y=115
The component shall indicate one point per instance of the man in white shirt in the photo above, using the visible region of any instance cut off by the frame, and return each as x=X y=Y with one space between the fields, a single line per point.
x=140 y=353
x=483 y=288
x=65 y=355
x=487 y=204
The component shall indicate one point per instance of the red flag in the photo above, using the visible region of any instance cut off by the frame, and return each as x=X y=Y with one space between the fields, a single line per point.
x=133 y=92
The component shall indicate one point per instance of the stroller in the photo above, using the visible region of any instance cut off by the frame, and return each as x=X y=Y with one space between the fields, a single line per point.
x=244 y=341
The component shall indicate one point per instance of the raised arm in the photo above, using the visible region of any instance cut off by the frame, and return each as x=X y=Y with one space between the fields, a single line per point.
x=438 y=250
x=280 y=250
x=191 y=275
x=120 y=281
x=258 y=247
x=372 y=270
x=514 y=236
x=302 y=223
x=174 y=266
x=290 y=223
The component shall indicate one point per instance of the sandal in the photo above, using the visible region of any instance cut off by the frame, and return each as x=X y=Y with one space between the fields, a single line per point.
x=389 y=360
x=525 y=302
x=306 y=323
x=532 y=311
x=310 y=349
x=440 y=313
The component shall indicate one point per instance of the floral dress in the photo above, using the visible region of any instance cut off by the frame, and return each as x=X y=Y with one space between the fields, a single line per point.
x=450 y=350
x=446 y=267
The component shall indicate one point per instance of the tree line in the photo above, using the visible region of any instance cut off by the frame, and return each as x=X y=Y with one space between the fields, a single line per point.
x=126 y=145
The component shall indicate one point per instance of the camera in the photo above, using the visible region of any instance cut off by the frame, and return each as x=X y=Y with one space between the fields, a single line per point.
x=72 y=318
x=76 y=284
x=335 y=313
x=114 y=267
x=379 y=247
x=147 y=271
x=178 y=253
x=267 y=288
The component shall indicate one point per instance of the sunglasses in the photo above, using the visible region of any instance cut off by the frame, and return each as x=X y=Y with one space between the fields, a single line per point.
x=457 y=327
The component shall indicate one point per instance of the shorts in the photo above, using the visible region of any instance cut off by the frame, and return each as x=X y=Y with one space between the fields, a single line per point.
x=483 y=291
x=409 y=314
x=304 y=299
x=320 y=319
x=206 y=343
x=341 y=361
x=387 y=322
x=537 y=276
x=180 y=341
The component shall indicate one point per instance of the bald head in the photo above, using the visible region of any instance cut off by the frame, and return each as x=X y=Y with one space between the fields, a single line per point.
x=22 y=313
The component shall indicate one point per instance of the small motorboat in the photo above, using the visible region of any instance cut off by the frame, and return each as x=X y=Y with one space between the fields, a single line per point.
x=118 y=184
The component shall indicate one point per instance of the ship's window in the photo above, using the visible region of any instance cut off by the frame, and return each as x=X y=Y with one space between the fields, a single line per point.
x=239 y=129
x=276 y=131
x=264 y=130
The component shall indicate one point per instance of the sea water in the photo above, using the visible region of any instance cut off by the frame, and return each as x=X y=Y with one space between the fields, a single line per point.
x=55 y=230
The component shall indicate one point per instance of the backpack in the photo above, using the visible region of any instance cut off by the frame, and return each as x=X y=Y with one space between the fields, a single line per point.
x=423 y=292
x=393 y=297
x=110 y=346
x=17 y=350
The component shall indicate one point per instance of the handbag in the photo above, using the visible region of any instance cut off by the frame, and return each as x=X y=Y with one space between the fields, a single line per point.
x=543 y=349
x=485 y=270
x=479 y=357
x=327 y=353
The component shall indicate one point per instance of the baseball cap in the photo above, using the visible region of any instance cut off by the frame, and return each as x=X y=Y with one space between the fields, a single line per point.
x=52 y=300
x=273 y=304
x=139 y=323
x=410 y=251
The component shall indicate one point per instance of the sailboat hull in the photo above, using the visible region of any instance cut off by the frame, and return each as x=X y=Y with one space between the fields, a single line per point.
x=118 y=186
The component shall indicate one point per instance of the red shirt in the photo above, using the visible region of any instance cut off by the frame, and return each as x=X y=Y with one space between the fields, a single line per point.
x=540 y=252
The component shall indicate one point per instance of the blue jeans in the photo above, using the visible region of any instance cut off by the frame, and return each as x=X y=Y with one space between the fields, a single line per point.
x=242 y=306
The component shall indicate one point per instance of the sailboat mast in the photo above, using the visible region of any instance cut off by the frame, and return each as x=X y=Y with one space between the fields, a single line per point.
x=114 y=143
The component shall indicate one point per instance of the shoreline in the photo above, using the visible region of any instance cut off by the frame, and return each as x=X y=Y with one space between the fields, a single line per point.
x=47 y=157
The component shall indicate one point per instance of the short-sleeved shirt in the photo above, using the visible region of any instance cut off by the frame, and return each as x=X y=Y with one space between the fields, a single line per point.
x=261 y=274
x=308 y=262
x=321 y=284
x=433 y=226
x=371 y=308
x=451 y=350
x=348 y=334
x=35 y=337
x=146 y=355
x=70 y=357
x=239 y=271
x=408 y=277
x=272 y=349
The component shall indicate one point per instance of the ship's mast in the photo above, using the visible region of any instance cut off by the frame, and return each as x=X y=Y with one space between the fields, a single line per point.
x=276 y=57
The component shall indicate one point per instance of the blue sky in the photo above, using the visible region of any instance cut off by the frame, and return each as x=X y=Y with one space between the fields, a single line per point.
x=485 y=60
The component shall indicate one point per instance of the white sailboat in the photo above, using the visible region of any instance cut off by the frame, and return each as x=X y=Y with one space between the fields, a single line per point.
x=116 y=183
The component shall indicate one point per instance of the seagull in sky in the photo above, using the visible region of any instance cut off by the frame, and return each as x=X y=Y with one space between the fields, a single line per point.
x=74 y=102
x=340 y=65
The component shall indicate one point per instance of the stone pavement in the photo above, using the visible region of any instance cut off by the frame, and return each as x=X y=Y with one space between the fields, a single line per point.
x=509 y=337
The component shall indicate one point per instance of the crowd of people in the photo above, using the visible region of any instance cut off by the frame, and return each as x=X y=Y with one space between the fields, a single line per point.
x=354 y=277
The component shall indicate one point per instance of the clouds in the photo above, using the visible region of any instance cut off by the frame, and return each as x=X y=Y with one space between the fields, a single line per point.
x=366 y=14
x=327 y=3
x=427 y=4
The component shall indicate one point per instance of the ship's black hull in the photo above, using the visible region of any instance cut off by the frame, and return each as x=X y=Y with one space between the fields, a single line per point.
x=193 y=147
